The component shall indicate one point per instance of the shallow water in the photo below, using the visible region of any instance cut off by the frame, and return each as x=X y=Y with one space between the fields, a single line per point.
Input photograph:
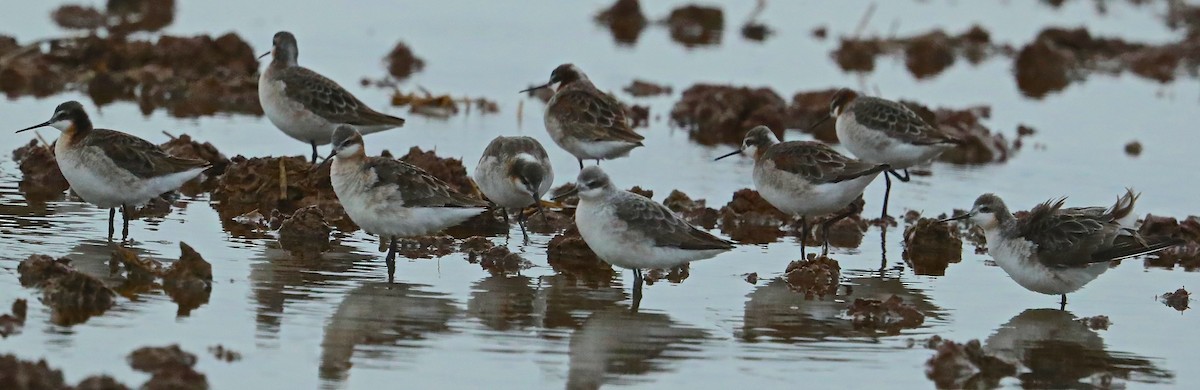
x=334 y=323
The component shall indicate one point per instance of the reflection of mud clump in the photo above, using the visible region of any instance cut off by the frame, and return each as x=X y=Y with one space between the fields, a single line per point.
x=77 y=17
x=889 y=316
x=189 y=280
x=721 y=114
x=814 y=278
x=224 y=354
x=500 y=261
x=40 y=176
x=171 y=368
x=17 y=374
x=749 y=219
x=11 y=324
x=809 y=107
x=1177 y=299
x=641 y=88
x=674 y=275
x=449 y=170
x=930 y=246
x=304 y=234
x=138 y=271
x=74 y=296
x=425 y=247
x=625 y=20
x=1096 y=322
x=959 y=366
x=402 y=63
x=1186 y=255
x=696 y=212
x=694 y=25
x=255 y=184
x=568 y=254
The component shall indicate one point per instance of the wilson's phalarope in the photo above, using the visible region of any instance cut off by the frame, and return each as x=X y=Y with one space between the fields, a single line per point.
x=391 y=198
x=631 y=231
x=112 y=169
x=306 y=105
x=1055 y=250
x=588 y=123
x=806 y=178
x=885 y=132
x=514 y=173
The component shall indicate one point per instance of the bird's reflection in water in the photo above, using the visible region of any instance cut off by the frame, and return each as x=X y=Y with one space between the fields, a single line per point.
x=1056 y=350
x=775 y=313
x=278 y=277
x=564 y=302
x=503 y=302
x=615 y=345
x=396 y=316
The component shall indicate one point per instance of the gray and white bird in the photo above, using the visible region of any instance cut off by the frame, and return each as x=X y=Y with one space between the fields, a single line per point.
x=631 y=231
x=588 y=123
x=885 y=132
x=308 y=106
x=1055 y=250
x=112 y=169
x=514 y=173
x=806 y=178
x=391 y=198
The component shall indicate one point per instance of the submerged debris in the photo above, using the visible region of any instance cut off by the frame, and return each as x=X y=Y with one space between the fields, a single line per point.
x=958 y=366
x=74 y=296
x=814 y=278
x=640 y=88
x=304 y=233
x=810 y=107
x=171 y=367
x=721 y=114
x=1096 y=322
x=930 y=246
x=674 y=275
x=11 y=324
x=225 y=354
x=694 y=212
x=1177 y=299
x=749 y=219
x=40 y=176
x=568 y=254
x=427 y=104
x=889 y=316
x=625 y=20
x=1133 y=148
x=402 y=63
x=694 y=25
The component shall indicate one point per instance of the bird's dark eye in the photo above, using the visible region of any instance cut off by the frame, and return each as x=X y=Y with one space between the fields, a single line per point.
x=985 y=209
x=593 y=184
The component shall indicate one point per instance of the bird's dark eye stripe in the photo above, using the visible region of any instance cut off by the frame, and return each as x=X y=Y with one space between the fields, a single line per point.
x=985 y=209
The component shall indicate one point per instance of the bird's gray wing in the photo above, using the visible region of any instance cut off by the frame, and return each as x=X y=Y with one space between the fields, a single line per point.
x=329 y=100
x=594 y=115
x=897 y=121
x=1069 y=237
x=657 y=222
x=817 y=162
x=416 y=187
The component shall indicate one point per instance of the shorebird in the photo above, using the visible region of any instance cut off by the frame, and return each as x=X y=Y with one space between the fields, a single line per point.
x=588 y=123
x=391 y=198
x=885 y=132
x=514 y=173
x=806 y=178
x=112 y=169
x=1055 y=250
x=631 y=231
x=308 y=106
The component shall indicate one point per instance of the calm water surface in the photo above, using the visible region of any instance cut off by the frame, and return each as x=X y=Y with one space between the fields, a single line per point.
x=447 y=323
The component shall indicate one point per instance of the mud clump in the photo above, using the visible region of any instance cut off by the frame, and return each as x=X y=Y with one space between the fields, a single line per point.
x=925 y=55
x=40 y=176
x=639 y=116
x=189 y=280
x=568 y=254
x=1133 y=148
x=75 y=17
x=749 y=219
x=958 y=366
x=402 y=63
x=1096 y=322
x=814 y=278
x=277 y=183
x=721 y=114
x=624 y=20
x=752 y=278
x=979 y=145
x=889 y=316
x=442 y=106
x=138 y=271
x=100 y=382
x=224 y=354
x=930 y=246
x=1058 y=56
x=549 y=221
x=184 y=146
x=640 y=88
x=11 y=324
x=674 y=275
x=449 y=170
x=694 y=25
x=304 y=233
x=500 y=261
x=642 y=191
x=17 y=374
x=170 y=367
x=695 y=212
x=1177 y=299
x=810 y=107
x=74 y=296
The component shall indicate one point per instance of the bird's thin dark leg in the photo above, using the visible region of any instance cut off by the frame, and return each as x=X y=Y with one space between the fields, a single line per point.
x=112 y=217
x=597 y=162
x=125 y=222
x=887 y=193
x=903 y=179
x=391 y=260
x=521 y=223
x=882 y=250
x=637 y=289
x=850 y=210
x=803 y=238
x=1062 y=304
x=580 y=162
x=314 y=154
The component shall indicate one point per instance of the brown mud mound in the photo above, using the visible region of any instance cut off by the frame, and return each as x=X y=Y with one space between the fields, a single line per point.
x=625 y=20
x=500 y=261
x=814 y=278
x=641 y=88
x=722 y=114
x=17 y=374
x=40 y=176
x=100 y=382
x=1177 y=299
x=695 y=212
x=171 y=367
x=184 y=146
x=930 y=246
x=286 y=184
x=1096 y=322
x=959 y=366
x=1186 y=255
x=74 y=296
x=810 y=107
x=188 y=281
x=1058 y=57
x=442 y=106
x=749 y=219
x=694 y=25
x=304 y=233
x=925 y=55
x=674 y=275
x=11 y=324
x=889 y=316
x=568 y=254
x=549 y=220
x=642 y=191
x=402 y=62
x=449 y=170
